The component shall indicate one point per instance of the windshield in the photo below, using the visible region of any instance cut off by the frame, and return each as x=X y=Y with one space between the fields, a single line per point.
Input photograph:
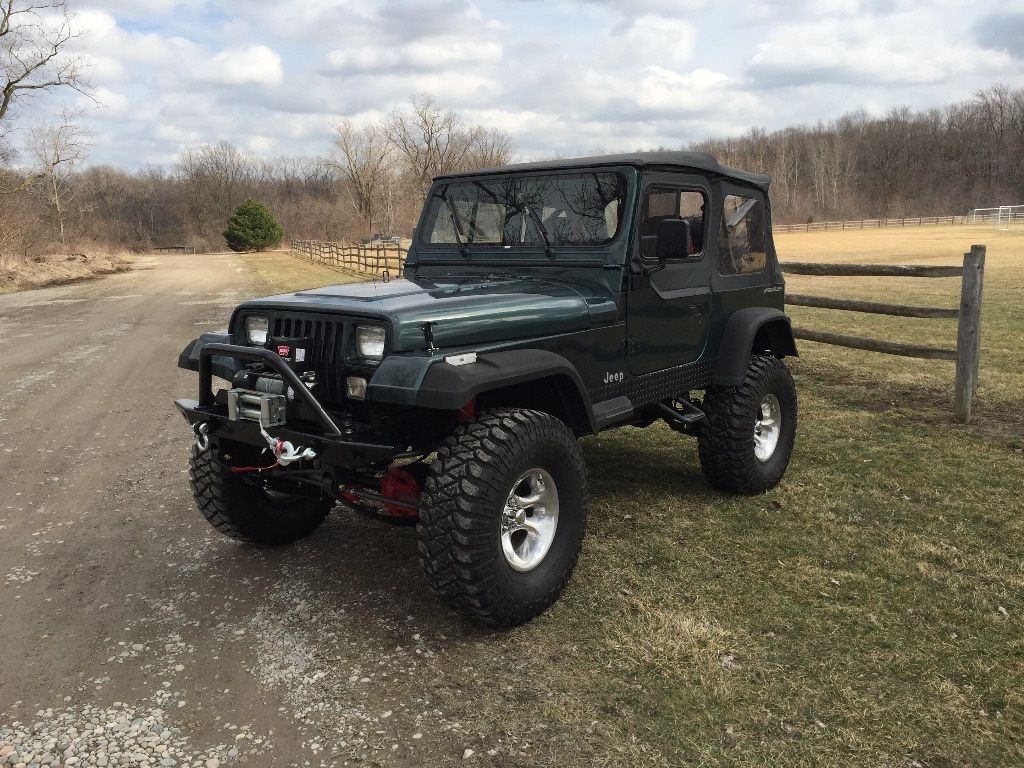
x=570 y=209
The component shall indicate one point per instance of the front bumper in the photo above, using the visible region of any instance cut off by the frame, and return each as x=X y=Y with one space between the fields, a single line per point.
x=333 y=446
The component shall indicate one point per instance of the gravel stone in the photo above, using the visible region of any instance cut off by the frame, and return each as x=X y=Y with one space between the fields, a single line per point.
x=130 y=737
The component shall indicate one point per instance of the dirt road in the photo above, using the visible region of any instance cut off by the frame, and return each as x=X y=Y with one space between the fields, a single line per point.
x=131 y=632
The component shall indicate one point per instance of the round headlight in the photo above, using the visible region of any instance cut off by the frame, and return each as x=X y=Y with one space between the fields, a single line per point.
x=370 y=341
x=256 y=329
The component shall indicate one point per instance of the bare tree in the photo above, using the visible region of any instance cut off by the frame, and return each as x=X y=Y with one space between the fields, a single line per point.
x=492 y=148
x=363 y=157
x=432 y=141
x=7 y=153
x=56 y=150
x=33 y=51
x=216 y=177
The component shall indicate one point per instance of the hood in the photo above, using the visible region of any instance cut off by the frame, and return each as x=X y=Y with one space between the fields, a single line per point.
x=463 y=309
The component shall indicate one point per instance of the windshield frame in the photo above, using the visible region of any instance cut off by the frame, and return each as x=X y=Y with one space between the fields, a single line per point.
x=488 y=251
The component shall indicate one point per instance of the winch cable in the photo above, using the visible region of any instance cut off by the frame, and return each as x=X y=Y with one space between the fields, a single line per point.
x=254 y=469
x=284 y=452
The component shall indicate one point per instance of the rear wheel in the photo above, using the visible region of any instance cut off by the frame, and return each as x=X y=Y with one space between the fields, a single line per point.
x=503 y=515
x=747 y=439
x=246 y=509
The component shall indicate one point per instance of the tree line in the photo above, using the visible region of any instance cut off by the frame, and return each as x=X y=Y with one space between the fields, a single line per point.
x=936 y=162
x=373 y=181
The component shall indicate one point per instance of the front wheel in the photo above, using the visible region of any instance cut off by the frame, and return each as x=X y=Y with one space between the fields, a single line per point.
x=502 y=515
x=243 y=508
x=747 y=439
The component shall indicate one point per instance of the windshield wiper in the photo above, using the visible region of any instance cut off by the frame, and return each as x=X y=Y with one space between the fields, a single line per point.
x=459 y=237
x=548 y=250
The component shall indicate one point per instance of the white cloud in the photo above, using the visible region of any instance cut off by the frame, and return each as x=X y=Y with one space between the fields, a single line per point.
x=905 y=49
x=261 y=145
x=255 y=64
x=116 y=103
x=146 y=7
x=666 y=7
x=562 y=76
x=700 y=91
x=660 y=38
x=426 y=55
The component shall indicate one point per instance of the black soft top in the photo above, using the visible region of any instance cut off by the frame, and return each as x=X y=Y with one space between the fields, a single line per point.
x=702 y=161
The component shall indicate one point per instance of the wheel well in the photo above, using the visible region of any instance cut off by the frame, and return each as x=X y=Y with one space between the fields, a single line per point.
x=775 y=337
x=752 y=330
x=557 y=395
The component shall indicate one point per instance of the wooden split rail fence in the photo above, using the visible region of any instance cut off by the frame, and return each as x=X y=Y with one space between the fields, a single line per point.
x=361 y=258
x=966 y=355
x=907 y=221
x=188 y=250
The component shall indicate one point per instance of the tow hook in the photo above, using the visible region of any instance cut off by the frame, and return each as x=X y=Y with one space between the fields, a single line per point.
x=202 y=433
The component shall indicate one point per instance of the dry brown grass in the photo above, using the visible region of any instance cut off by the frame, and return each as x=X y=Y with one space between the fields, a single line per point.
x=17 y=274
x=279 y=271
x=908 y=380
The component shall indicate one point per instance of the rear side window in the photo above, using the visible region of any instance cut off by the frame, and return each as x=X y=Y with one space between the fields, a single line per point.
x=672 y=203
x=741 y=247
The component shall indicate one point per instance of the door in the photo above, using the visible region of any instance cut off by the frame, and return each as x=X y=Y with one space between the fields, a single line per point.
x=669 y=304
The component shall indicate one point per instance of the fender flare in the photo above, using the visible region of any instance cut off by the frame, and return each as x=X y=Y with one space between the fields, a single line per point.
x=766 y=326
x=224 y=367
x=433 y=383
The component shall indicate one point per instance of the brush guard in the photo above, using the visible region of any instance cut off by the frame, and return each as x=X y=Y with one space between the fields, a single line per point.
x=211 y=419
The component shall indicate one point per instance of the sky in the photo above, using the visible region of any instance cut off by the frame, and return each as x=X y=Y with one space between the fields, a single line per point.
x=563 y=77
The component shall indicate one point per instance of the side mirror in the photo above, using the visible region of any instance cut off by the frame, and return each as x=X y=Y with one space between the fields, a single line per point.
x=673 y=240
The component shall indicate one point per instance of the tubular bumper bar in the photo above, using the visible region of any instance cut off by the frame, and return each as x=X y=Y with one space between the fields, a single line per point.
x=333 y=447
x=340 y=451
x=265 y=356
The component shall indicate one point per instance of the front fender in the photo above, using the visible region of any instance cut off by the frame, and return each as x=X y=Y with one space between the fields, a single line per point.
x=432 y=383
x=224 y=367
x=766 y=327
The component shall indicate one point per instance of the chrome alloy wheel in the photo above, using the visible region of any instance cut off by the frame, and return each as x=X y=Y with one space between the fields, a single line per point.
x=529 y=519
x=767 y=427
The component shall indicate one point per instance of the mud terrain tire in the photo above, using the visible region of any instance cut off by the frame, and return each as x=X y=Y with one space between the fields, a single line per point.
x=480 y=467
x=244 y=511
x=728 y=442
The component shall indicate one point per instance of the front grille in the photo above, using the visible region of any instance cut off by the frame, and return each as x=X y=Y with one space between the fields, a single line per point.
x=328 y=335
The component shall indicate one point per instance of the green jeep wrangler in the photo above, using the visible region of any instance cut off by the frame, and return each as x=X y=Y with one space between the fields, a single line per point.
x=538 y=303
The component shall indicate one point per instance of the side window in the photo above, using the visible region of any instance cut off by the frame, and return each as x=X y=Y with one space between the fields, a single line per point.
x=672 y=203
x=741 y=240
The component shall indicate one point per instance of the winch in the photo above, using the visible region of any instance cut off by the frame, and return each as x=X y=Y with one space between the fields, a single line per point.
x=265 y=408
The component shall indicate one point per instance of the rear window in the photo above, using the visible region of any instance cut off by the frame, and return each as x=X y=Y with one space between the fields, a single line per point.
x=741 y=247
x=574 y=209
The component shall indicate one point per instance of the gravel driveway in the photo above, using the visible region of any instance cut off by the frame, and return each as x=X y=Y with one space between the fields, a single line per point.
x=133 y=635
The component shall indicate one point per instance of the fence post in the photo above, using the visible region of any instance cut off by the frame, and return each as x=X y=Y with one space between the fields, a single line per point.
x=968 y=337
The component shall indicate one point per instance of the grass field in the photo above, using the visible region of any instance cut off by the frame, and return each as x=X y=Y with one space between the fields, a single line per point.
x=1002 y=322
x=865 y=613
x=279 y=271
